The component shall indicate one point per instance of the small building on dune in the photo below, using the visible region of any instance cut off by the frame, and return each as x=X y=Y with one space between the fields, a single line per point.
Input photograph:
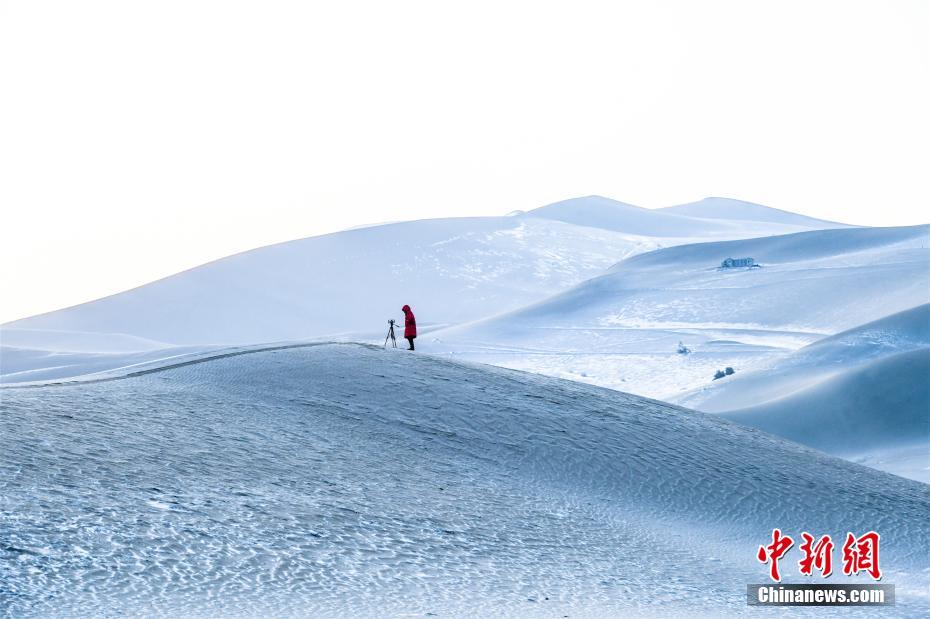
x=732 y=263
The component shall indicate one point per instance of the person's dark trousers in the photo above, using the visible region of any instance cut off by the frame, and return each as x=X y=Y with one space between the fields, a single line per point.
x=410 y=339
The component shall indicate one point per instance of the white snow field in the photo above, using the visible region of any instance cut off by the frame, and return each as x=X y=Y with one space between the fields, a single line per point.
x=740 y=210
x=621 y=330
x=877 y=413
x=863 y=394
x=826 y=358
x=77 y=341
x=23 y=365
x=720 y=217
x=345 y=480
x=351 y=282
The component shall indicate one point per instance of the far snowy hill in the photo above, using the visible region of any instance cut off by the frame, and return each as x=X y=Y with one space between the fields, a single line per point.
x=622 y=329
x=449 y=270
x=824 y=281
x=610 y=214
x=740 y=210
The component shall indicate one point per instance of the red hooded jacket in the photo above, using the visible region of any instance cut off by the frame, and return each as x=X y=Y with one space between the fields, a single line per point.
x=410 y=323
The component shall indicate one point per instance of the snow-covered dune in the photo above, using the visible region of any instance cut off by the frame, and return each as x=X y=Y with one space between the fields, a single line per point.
x=450 y=270
x=740 y=210
x=19 y=365
x=29 y=354
x=622 y=329
x=870 y=412
x=863 y=394
x=722 y=222
x=76 y=341
x=345 y=480
x=812 y=364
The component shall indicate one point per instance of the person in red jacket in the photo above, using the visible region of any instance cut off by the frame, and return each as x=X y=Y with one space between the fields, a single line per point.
x=410 y=325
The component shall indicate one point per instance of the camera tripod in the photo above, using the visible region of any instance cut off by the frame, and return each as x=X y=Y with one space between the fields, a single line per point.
x=390 y=335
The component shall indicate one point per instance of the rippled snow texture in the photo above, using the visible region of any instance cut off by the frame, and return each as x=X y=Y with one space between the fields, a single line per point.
x=348 y=481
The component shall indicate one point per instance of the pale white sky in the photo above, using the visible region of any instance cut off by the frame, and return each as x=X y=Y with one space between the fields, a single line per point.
x=138 y=139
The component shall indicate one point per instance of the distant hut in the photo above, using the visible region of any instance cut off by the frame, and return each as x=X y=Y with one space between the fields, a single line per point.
x=732 y=263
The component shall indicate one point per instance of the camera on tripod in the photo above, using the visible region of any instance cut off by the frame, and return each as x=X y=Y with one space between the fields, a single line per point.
x=390 y=335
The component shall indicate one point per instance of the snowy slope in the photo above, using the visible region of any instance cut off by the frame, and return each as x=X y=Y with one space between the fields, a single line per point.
x=621 y=330
x=601 y=212
x=449 y=270
x=349 y=481
x=18 y=365
x=740 y=210
x=76 y=341
x=812 y=364
x=879 y=407
x=861 y=394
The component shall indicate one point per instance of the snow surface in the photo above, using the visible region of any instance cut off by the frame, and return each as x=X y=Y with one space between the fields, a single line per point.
x=449 y=270
x=829 y=357
x=621 y=330
x=863 y=394
x=76 y=341
x=721 y=217
x=342 y=480
x=728 y=208
x=882 y=406
x=19 y=365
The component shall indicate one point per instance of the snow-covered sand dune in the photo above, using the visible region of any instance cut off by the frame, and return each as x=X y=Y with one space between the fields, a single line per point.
x=825 y=280
x=450 y=270
x=812 y=364
x=863 y=394
x=348 y=480
x=712 y=217
x=740 y=210
x=870 y=413
x=621 y=330
x=76 y=341
x=21 y=365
